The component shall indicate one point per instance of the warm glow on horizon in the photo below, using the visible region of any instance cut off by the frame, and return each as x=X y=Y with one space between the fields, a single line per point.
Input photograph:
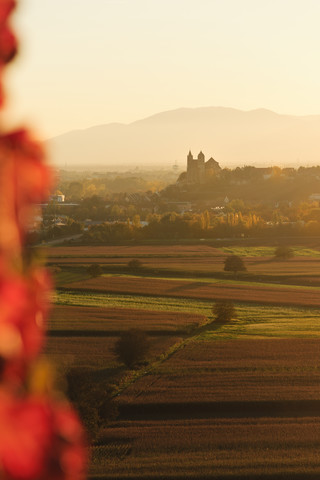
x=121 y=60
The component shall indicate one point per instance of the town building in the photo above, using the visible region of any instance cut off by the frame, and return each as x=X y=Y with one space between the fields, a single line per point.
x=57 y=198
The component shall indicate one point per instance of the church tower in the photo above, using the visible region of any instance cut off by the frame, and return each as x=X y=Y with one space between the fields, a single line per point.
x=201 y=157
x=201 y=167
x=189 y=159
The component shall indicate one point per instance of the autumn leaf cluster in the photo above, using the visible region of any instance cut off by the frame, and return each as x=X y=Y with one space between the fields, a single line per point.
x=40 y=434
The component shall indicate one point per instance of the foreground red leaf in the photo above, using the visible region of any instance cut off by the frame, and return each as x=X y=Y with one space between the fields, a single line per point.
x=6 y=7
x=24 y=306
x=40 y=439
x=25 y=180
x=8 y=45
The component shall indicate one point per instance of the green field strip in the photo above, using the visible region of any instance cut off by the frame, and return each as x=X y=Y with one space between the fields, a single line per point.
x=70 y=276
x=268 y=322
x=167 y=304
x=268 y=251
x=253 y=320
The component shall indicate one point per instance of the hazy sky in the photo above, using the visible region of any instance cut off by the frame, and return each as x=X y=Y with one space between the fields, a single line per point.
x=88 y=62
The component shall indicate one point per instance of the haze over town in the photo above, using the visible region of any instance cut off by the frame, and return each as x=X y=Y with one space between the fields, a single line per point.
x=233 y=137
x=122 y=61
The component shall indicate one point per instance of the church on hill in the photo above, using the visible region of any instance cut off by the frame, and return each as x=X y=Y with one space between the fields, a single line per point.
x=198 y=170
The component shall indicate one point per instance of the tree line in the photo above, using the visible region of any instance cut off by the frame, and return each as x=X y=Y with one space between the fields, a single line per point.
x=196 y=226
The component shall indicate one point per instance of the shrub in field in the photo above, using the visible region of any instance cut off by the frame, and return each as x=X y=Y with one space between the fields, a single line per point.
x=132 y=347
x=95 y=270
x=235 y=264
x=224 y=311
x=135 y=265
x=283 y=253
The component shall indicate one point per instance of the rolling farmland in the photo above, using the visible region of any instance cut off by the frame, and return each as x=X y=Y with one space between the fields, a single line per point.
x=302 y=269
x=267 y=294
x=234 y=400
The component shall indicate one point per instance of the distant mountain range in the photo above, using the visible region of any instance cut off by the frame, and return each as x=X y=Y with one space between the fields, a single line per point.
x=233 y=137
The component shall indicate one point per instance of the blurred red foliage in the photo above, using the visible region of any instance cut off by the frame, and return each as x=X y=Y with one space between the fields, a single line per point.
x=24 y=306
x=41 y=437
x=24 y=181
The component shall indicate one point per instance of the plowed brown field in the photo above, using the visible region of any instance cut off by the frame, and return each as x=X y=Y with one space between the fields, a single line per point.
x=305 y=266
x=67 y=317
x=96 y=352
x=234 y=370
x=197 y=258
x=174 y=250
x=215 y=449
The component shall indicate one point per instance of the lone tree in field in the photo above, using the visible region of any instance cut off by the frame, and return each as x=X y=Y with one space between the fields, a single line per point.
x=224 y=311
x=132 y=347
x=135 y=265
x=234 y=264
x=283 y=253
x=94 y=270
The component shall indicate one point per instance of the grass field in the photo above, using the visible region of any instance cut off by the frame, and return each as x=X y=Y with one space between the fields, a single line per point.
x=98 y=299
x=253 y=320
x=69 y=276
x=269 y=251
x=239 y=400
